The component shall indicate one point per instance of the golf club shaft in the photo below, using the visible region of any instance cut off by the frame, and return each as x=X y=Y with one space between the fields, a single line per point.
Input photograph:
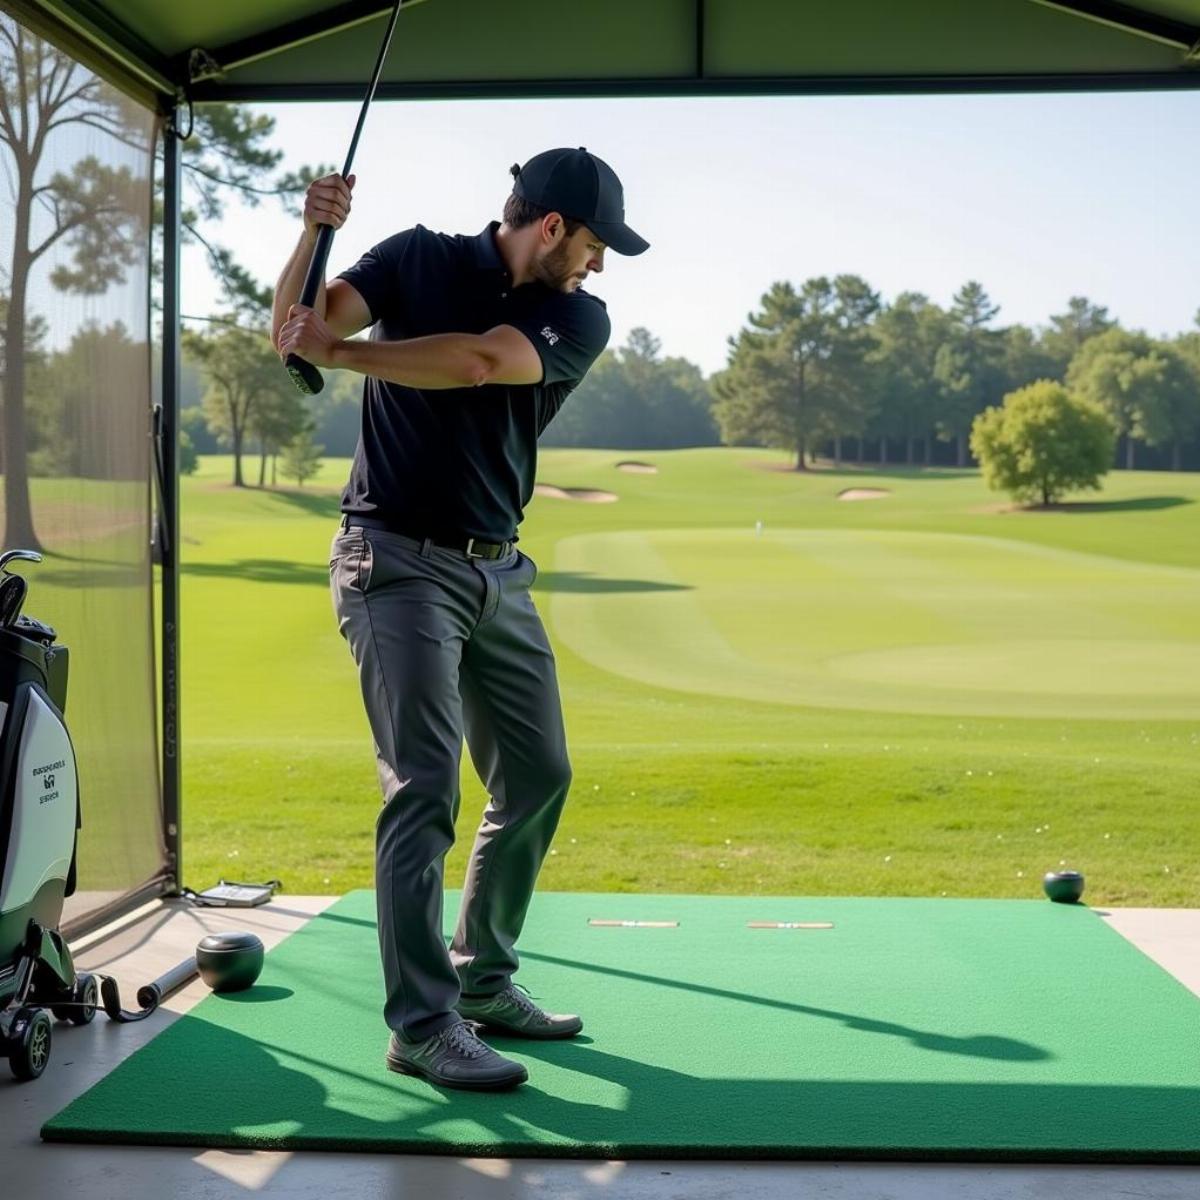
x=179 y=975
x=149 y=995
x=307 y=378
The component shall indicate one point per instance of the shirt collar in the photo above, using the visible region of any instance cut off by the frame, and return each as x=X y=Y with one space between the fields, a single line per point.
x=487 y=257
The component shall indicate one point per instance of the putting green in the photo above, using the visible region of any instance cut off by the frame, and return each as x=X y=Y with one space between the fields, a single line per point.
x=953 y=1029
x=895 y=621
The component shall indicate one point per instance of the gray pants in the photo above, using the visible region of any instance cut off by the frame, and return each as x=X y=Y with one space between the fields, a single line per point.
x=446 y=643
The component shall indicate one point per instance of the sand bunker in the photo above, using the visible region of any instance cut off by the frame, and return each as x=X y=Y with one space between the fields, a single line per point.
x=587 y=495
x=637 y=468
x=863 y=494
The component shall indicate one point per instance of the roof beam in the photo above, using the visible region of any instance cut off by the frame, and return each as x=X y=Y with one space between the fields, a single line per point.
x=689 y=85
x=1127 y=19
x=89 y=31
x=206 y=62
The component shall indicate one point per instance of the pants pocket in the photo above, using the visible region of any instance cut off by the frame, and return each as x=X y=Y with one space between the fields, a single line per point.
x=350 y=560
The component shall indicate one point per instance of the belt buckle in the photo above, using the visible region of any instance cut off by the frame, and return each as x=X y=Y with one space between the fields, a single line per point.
x=470 y=552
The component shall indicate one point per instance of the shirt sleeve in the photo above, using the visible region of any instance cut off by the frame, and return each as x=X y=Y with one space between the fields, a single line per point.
x=378 y=275
x=568 y=332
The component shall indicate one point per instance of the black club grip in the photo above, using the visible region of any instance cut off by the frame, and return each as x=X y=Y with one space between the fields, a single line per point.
x=304 y=375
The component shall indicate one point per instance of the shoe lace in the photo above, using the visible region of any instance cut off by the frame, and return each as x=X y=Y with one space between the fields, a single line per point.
x=462 y=1038
x=519 y=995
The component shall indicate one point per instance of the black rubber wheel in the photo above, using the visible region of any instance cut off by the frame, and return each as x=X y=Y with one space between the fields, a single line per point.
x=80 y=1008
x=30 y=1039
x=87 y=995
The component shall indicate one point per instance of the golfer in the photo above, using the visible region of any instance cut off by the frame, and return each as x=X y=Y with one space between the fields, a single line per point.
x=476 y=342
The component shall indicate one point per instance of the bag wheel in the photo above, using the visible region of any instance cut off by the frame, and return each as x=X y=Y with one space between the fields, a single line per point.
x=29 y=1039
x=85 y=996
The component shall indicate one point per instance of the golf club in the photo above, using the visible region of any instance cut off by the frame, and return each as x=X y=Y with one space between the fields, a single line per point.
x=306 y=377
x=12 y=596
x=13 y=588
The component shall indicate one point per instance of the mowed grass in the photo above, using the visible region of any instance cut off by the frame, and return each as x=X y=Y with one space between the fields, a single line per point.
x=92 y=589
x=926 y=694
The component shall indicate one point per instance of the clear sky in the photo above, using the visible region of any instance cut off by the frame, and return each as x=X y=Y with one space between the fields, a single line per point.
x=1038 y=197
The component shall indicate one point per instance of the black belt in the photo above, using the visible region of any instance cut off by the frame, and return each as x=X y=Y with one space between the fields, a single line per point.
x=471 y=547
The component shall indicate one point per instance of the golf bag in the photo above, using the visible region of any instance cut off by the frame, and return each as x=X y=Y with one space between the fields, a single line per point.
x=39 y=824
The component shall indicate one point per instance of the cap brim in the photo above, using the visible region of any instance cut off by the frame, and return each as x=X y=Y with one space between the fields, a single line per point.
x=620 y=238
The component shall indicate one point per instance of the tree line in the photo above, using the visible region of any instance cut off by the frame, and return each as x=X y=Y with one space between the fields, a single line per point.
x=830 y=362
x=824 y=368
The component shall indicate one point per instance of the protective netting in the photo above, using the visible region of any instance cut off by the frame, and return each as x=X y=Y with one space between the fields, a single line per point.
x=75 y=376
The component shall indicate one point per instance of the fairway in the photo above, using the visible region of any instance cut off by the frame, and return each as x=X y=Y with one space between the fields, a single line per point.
x=893 y=621
x=927 y=694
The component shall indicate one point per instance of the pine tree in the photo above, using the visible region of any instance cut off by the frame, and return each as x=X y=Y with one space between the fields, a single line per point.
x=801 y=368
x=301 y=457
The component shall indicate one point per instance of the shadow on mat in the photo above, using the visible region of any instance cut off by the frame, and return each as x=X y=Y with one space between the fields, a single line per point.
x=258 y=994
x=986 y=1046
x=980 y=1046
x=274 y=1096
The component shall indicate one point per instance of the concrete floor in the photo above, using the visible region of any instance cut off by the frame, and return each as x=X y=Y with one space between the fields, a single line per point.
x=160 y=935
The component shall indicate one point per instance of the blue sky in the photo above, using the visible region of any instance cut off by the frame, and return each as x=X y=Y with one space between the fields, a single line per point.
x=1038 y=197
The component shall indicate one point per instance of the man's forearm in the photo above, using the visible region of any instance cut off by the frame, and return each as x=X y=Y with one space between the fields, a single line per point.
x=443 y=360
x=291 y=283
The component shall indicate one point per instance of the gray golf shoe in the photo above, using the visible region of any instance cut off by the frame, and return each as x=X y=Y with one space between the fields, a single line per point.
x=512 y=1012
x=455 y=1057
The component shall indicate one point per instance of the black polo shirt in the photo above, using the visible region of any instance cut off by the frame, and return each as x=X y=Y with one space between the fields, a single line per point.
x=460 y=462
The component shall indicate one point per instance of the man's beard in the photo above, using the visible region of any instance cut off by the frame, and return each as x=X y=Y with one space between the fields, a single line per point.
x=553 y=270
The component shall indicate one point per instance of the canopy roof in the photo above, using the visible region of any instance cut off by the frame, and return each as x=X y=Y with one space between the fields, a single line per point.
x=264 y=50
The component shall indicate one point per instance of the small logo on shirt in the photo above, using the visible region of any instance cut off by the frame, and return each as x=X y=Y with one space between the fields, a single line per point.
x=549 y=335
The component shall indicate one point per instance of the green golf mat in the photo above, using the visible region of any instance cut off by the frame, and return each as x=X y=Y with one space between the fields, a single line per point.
x=913 y=1028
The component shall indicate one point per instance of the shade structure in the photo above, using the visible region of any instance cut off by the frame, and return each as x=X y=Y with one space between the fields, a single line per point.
x=323 y=49
x=170 y=55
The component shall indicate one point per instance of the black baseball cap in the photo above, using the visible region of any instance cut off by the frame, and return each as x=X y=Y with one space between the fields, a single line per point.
x=583 y=187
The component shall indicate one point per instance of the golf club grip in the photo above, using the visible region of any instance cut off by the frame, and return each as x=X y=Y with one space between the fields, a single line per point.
x=304 y=375
x=164 y=985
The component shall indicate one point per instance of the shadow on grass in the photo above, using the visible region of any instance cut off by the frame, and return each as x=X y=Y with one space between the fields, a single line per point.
x=899 y=471
x=826 y=470
x=315 y=504
x=277 y=570
x=583 y=581
x=262 y=570
x=1136 y=504
x=110 y=578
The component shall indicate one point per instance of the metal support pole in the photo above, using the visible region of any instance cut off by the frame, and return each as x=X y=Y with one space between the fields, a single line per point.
x=169 y=501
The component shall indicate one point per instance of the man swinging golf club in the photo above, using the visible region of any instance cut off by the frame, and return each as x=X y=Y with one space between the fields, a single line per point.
x=475 y=344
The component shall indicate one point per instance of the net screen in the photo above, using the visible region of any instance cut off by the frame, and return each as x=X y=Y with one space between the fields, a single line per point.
x=76 y=202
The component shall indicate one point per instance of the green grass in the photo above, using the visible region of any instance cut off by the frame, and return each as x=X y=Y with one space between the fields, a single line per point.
x=92 y=588
x=922 y=695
